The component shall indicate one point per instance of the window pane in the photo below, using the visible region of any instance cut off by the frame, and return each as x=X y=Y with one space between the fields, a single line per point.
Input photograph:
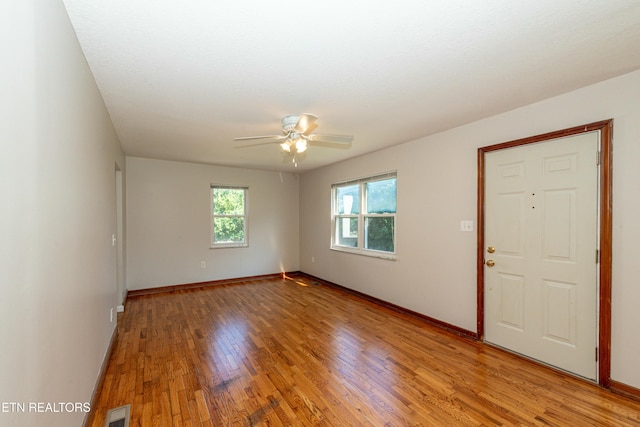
x=347 y=232
x=228 y=201
x=348 y=199
x=381 y=196
x=228 y=230
x=379 y=233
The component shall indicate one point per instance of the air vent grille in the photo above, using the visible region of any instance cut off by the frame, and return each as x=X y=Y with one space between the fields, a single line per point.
x=118 y=417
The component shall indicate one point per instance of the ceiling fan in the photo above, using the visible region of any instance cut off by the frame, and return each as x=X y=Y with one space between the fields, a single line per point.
x=296 y=136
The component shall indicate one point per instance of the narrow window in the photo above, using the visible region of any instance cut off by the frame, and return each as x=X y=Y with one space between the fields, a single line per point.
x=228 y=216
x=364 y=216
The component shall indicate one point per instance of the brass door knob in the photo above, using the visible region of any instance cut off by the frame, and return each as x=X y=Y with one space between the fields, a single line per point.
x=491 y=249
x=490 y=263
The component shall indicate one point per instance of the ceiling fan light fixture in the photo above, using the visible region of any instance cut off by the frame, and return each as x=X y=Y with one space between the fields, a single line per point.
x=286 y=146
x=297 y=136
x=301 y=145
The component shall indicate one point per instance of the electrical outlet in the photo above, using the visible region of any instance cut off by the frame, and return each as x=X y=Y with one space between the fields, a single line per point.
x=203 y=264
x=466 y=225
x=313 y=259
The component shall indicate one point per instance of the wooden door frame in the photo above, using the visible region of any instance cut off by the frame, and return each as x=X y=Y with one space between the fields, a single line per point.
x=605 y=222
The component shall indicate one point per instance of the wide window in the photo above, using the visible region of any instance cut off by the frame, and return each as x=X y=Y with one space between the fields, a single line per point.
x=228 y=216
x=364 y=216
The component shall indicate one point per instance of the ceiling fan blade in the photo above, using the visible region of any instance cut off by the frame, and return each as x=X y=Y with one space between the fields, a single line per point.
x=253 y=144
x=306 y=123
x=333 y=139
x=248 y=138
x=310 y=128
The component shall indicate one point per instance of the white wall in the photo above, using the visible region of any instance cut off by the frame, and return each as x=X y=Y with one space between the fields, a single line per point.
x=437 y=182
x=168 y=218
x=58 y=159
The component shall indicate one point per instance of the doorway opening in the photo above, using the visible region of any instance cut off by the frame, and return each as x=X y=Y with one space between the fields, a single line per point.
x=119 y=240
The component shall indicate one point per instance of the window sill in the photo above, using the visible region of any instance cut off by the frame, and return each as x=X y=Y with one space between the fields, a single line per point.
x=229 y=245
x=373 y=254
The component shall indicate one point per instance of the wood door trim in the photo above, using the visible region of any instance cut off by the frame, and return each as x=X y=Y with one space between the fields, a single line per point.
x=605 y=211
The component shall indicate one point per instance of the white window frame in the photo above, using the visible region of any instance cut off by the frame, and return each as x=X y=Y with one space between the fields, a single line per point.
x=335 y=217
x=245 y=216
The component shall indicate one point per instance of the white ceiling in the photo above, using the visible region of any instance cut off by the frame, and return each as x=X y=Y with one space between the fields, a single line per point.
x=181 y=79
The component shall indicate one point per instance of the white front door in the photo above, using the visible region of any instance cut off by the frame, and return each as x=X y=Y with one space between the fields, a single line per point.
x=541 y=236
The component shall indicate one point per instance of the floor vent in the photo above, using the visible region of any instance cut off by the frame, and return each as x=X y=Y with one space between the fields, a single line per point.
x=118 y=417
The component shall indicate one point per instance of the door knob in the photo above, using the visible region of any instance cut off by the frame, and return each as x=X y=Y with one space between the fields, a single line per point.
x=490 y=263
x=491 y=249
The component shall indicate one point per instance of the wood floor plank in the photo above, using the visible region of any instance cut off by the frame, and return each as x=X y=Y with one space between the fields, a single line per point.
x=292 y=353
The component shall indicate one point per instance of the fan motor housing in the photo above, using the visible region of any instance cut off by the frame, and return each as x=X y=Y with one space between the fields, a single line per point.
x=289 y=123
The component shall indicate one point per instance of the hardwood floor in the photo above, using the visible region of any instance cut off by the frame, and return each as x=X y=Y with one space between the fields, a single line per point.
x=292 y=353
